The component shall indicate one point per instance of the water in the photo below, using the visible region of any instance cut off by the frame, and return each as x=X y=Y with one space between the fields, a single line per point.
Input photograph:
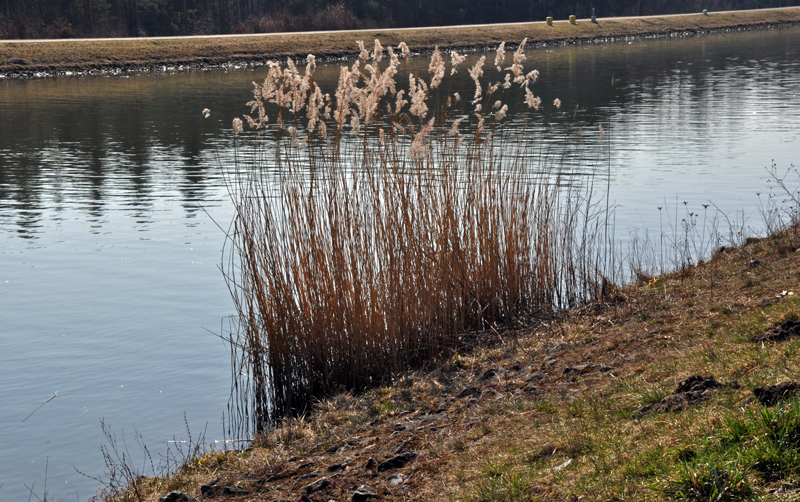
x=110 y=188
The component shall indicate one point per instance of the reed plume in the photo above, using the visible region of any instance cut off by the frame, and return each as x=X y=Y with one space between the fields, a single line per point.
x=354 y=257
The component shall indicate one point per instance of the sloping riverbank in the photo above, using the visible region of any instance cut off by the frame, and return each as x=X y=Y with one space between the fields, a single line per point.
x=45 y=58
x=653 y=392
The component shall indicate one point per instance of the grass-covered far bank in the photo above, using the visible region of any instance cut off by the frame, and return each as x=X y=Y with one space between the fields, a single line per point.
x=33 y=57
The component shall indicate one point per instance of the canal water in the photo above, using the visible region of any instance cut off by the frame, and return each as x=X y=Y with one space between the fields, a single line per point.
x=112 y=199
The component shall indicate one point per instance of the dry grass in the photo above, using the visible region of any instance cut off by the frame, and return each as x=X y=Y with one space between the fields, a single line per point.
x=29 y=57
x=371 y=250
x=505 y=439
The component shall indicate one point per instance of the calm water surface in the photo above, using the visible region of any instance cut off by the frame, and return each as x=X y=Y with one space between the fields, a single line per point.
x=110 y=187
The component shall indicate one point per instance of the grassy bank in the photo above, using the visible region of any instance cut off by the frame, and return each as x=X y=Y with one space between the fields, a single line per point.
x=559 y=411
x=27 y=58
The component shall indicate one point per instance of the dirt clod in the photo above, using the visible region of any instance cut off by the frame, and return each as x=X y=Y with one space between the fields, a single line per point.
x=469 y=391
x=317 y=485
x=587 y=368
x=692 y=391
x=489 y=374
x=364 y=493
x=213 y=490
x=769 y=396
x=177 y=497
x=396 y=462
x=779 y=333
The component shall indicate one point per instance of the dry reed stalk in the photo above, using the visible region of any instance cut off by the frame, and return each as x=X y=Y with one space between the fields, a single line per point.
x=357 y=255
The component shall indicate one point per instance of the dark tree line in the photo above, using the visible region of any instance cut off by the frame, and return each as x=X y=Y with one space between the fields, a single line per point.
x=73 y=18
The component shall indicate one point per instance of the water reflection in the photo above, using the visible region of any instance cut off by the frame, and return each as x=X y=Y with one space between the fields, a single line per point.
x=83 y=141
x=88 y=139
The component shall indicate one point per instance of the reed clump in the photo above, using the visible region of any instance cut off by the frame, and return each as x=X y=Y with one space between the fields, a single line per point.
x=376 y=229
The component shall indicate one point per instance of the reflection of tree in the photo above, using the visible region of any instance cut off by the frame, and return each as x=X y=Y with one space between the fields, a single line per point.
x=82 y=139
x=86 y=140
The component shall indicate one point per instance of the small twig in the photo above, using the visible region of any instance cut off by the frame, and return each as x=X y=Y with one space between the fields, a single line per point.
x=37 y=409
x=30 y=490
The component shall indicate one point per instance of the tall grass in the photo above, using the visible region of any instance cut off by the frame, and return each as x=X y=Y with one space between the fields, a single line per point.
x=369 y=238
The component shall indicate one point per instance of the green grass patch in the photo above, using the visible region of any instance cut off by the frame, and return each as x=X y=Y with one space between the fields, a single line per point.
x=757 y=446
x=708 y=481
x=501 y=481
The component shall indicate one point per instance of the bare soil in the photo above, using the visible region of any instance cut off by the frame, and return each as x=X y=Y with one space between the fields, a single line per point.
x=769 y=396
x=690 y=392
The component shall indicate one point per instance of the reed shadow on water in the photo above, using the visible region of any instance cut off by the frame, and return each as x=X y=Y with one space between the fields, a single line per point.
x=382 y=229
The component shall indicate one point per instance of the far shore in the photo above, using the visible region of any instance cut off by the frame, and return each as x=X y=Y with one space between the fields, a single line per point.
x=42 y=58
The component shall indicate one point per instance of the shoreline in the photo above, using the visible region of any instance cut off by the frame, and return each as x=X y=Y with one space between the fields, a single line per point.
x=41 y=59
x=599 y=392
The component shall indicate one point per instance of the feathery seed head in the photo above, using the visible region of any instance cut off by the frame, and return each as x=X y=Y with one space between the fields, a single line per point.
x=292 y=130
x=455 y=60
x=393 y=61
x=531 y=100
x=454 y=127
x=363 y=53
x=516 y=67
x=501 y=114
x=476 y=72
x=400 y=102
x=418 y=146
x=404 y=50
x=479 y=125
x=500 y=57
x=519 y=54
x=311 y=66
x=417 y=91
x=316 y=102
x=436 y=68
